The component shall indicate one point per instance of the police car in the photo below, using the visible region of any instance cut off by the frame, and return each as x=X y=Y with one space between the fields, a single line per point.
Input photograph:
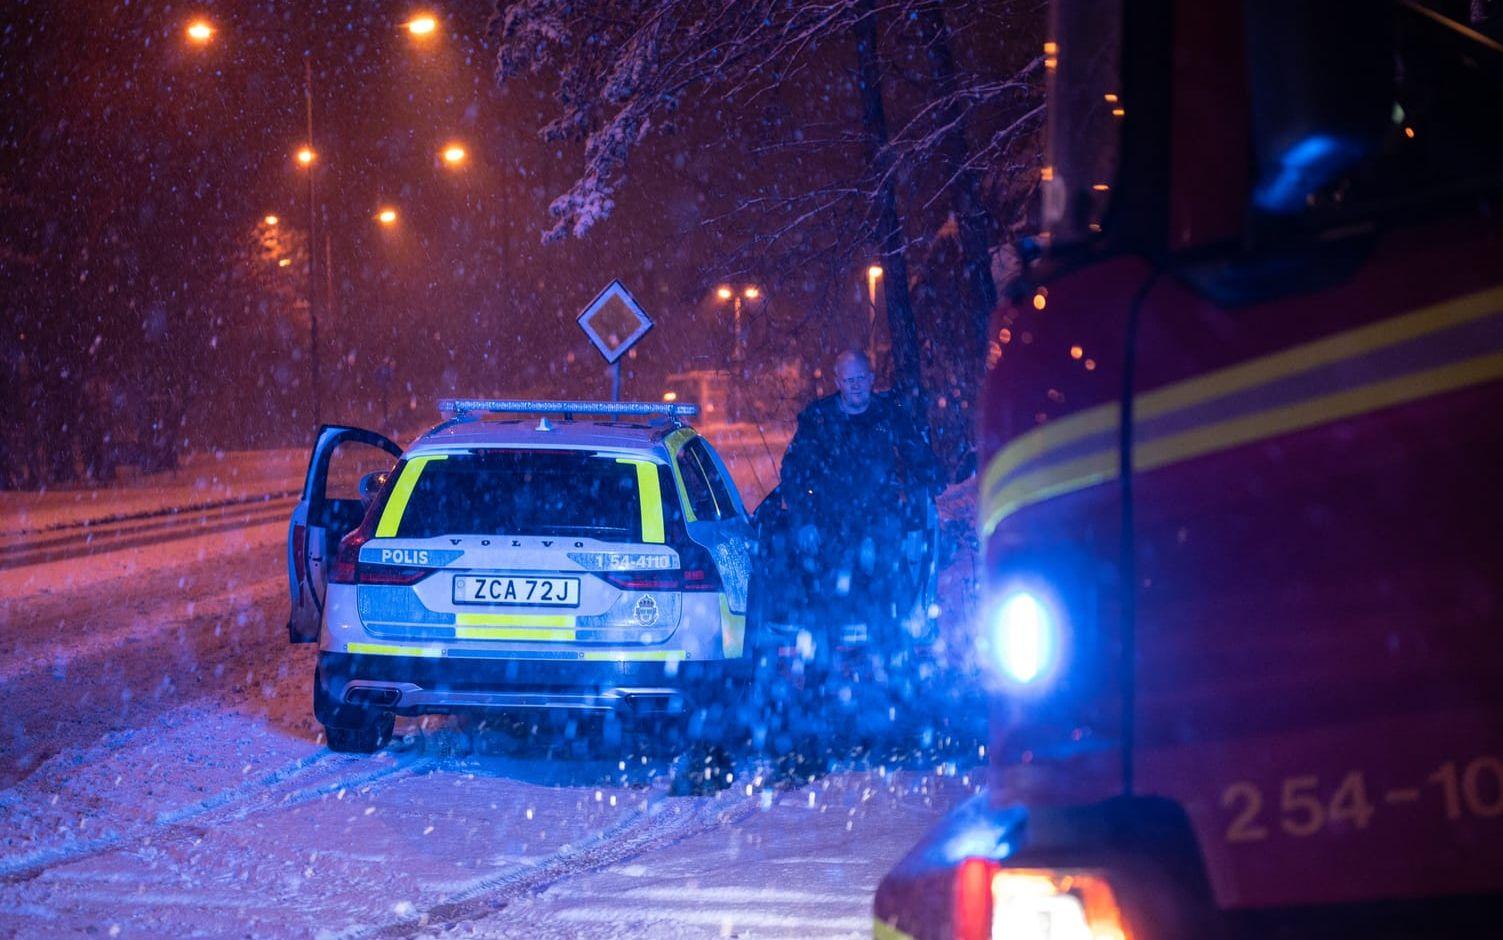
x=520 y=556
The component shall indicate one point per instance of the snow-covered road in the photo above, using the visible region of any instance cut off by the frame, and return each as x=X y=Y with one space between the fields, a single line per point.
x=163 y=776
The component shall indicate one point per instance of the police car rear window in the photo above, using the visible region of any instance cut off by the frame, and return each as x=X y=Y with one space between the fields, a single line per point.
x=525 y=493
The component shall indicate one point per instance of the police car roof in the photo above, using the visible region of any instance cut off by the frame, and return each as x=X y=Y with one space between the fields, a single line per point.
x=534 y=433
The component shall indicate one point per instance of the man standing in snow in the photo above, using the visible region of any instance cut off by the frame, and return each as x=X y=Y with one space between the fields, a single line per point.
x=856 y=464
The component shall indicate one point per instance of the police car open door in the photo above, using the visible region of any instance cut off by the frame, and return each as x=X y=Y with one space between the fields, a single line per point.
x=331 y=506
x=717 y=520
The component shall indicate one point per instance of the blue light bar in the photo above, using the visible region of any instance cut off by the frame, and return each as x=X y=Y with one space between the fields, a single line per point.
x=460 y=406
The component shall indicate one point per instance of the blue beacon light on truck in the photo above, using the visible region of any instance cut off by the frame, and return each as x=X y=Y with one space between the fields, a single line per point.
x=1022 y=639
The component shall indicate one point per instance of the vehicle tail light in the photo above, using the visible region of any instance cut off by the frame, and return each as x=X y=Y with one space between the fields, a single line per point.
x=1034 y=904
x=699 y=571
x=389 y=574
x=347 y=558
x=347 y=568
x=644 y=580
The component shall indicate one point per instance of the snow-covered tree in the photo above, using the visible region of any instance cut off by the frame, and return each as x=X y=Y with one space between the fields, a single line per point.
x=622 y=70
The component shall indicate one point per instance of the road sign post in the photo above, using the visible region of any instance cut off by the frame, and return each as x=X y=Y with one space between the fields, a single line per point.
x=614 y=321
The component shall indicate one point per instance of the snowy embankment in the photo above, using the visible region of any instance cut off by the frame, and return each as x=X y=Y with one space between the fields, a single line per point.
x=203 y=481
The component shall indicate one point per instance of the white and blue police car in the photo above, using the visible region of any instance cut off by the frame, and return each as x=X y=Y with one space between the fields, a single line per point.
x=520 y=556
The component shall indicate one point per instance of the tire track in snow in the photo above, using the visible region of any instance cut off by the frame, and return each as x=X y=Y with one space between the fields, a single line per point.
x=664 y=823
x=234 y=804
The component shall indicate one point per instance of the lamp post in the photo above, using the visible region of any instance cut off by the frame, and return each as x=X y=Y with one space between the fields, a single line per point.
x=873 y=275
x=738 y=341
x=201 y=32
x=306 y=158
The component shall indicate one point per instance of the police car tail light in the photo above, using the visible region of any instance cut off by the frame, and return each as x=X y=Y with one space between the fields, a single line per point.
x=346 y=567
x=699 y=571
x=347 y=559
x=995 y=903
x=633 y=571
x=390 y=574
x=623 y=561
x=644 y=580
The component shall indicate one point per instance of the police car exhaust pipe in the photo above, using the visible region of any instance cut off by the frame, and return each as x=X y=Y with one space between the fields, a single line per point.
x=367 y=695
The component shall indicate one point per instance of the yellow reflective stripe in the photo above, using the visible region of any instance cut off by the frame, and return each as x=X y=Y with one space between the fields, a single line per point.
x=1322 y=410
x=1348 y=345
x=882 y=930
x=732 y=629
x=380 y=649
x=678 y=439
x=391 y=516
x=617 y=656
x=1043 y=439
x=513 y=633
x=514 y=620
x=1260 y=371
x=1048 y=483
x=650 y=495
x=676 y=442
x=1101 y=466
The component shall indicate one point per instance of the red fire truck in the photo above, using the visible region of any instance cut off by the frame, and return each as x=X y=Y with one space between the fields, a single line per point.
x=1242 y=506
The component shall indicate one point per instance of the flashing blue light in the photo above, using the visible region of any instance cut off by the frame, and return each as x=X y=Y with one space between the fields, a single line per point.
x=1303 y=168
x=1024 y=638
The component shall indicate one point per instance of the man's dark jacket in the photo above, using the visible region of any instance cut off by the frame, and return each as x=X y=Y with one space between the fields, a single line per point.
x=844 y=473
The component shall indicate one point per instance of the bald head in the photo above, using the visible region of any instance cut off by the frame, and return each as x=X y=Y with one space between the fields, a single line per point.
x=853 y=380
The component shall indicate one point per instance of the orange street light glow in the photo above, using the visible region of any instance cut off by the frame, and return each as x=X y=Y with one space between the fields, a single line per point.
x=306 y=156
x=387 y=216
x=284 y=262
x=724 y=293
x=874 y=272
x=752 y=293
x=454 y=154
x=422 y=25
x=272 y=220
x=200 y=32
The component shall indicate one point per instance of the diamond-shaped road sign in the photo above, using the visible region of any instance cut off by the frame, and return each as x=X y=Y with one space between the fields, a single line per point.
x=614 y=321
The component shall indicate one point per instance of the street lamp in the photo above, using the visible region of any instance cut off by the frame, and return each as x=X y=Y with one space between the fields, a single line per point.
x=423 y=25
x=200 y=32
x=306 y=156
x=873 y=275
x=387 y=217
x=272 y=220
x=725 y=292
x=453 y=155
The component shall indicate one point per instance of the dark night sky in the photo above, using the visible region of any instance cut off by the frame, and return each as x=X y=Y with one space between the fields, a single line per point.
x=143 y=162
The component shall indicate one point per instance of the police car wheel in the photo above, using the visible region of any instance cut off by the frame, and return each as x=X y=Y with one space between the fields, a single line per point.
x=363 y=740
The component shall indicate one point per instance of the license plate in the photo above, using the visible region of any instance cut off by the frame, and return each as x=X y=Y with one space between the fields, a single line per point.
x=512 y=589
